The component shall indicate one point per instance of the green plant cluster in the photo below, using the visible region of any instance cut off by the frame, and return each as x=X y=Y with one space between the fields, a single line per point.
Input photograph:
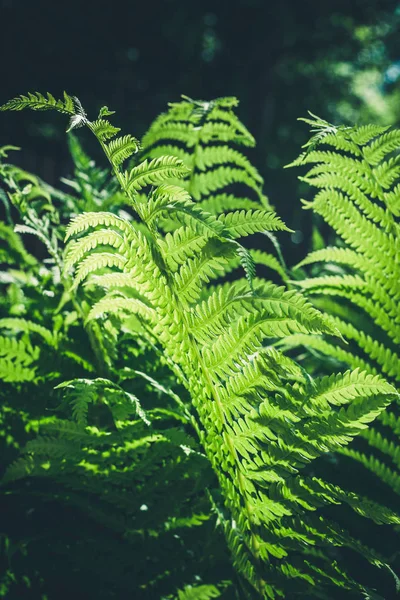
x=164 y=433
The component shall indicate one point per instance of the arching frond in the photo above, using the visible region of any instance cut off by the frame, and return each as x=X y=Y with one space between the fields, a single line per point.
x=357 y=197
x=37 y=101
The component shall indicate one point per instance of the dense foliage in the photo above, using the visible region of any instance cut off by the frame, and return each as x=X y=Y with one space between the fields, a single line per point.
x=163 y=437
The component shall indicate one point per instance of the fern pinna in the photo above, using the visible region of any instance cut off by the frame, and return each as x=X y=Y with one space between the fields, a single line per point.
x=259 y=417
x=356 y=171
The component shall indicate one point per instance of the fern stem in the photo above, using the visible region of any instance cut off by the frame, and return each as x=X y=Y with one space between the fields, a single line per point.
x=115 y=169
x=215 y=396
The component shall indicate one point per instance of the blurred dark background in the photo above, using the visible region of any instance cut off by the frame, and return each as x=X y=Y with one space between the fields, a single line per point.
x=338 y=58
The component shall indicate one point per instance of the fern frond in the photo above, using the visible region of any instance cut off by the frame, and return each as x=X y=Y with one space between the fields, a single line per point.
x=270 y=261
x=365 y=133
x=343 y=389
x=15 y=248
x=225 y=132
x=208 y=157
x=206 y=183
x=387 y=172
x=168 y=200
x=260 y=417
x=180 y=245
x=12 y=348
x=228 y=202
x=351 y=281
x=363 y=235
x=325 y=178
x=244 y=337
x=387 y=359
x=17 y=324
x=209 y=130
x=336 y=255
x=171 y=150
x=381 y=308
x=247 y=262
x=37 y=101
x=113 y=280
x=181 y=132
x=215 y=313
x=383 y=444
x=358 y=199
x=392 y=200
x=82 y=392
x=13 y=371
x=328 y=349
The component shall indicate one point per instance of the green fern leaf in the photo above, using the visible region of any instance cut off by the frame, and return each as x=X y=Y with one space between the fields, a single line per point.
x=122 y=148
x=242 y=223
x=154 y=172
x=94 y=262
x=104 y=130
x=85 y=221
x=37 y=101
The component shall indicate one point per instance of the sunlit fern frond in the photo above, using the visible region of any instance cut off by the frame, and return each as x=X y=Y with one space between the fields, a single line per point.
x=357 y=195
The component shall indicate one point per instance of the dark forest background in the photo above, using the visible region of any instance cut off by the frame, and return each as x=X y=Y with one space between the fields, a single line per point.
x=338 y=58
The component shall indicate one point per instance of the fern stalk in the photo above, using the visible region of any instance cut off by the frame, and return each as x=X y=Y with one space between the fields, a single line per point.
x=213 y=393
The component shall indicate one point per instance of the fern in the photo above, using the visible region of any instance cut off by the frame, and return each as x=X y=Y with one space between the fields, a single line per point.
x=356 y=198
x=198 y=592
x=17 y=360
x=210 y=168
x=37 y=101
x=221 y=177
x=260 y=419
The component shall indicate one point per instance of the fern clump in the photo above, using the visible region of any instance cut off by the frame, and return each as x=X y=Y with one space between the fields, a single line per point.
x=244 y=409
